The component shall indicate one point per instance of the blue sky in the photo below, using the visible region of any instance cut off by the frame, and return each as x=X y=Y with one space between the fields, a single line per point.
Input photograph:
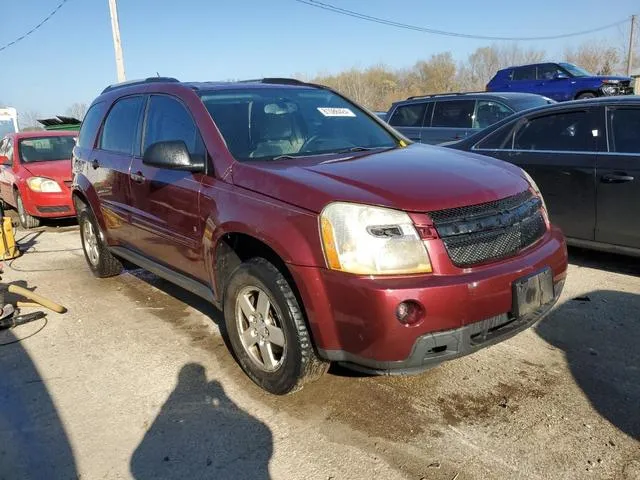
x=70 y=59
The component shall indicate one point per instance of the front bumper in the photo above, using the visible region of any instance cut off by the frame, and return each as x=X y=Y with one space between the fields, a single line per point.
x=49 y=205
x=432 y=349
x=352 y=318
x=612 y=90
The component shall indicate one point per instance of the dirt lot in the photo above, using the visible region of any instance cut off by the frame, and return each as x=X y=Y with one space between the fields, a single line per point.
x=136 y=382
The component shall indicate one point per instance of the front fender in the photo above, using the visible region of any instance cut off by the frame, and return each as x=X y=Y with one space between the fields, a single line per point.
x=83 y=188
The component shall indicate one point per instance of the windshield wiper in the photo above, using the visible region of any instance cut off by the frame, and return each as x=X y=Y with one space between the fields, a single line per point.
x=285 y=157
x=363 y=149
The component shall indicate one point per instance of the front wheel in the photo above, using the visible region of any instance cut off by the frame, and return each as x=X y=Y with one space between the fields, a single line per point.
x=267 y=329
x=101 y=261
x=585 y=95
x=26 y=221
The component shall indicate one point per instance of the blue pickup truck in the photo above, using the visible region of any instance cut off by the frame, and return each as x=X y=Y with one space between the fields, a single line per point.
x=559 y=81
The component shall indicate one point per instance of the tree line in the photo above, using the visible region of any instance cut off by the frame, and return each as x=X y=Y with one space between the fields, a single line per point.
x=378 y=86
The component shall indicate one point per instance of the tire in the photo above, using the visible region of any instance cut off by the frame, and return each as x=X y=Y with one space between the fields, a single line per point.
x=101 y=261
x=275 y=351
x=582 y=96
x=26 y=221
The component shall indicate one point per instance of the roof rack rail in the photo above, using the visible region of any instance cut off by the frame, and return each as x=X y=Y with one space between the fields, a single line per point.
x=430 y=95
x=140 y=82
x=275 y=80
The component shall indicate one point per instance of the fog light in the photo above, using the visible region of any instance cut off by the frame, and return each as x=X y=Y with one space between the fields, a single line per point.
x=409 y=312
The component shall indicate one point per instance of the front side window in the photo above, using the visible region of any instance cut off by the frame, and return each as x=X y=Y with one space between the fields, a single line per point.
x=489 y=112
x=408 y=115
x=548 y=71
x=45 y=149
x=169 y=120
x=565 y=132
x=265 y=123
x=121 y=126
x=525 y=73
x=453 y=114
x=624 y=125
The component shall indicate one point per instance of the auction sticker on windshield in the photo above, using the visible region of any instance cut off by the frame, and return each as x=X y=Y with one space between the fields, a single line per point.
x=336 y=112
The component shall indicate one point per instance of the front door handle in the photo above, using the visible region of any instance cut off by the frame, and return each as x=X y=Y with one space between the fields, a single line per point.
x=95 y=164
x=137 y=177
x=617 y=178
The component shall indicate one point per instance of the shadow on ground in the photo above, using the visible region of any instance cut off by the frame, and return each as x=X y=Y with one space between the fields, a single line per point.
x=600 y=336
x=609 y=262
x=201 y=433
x=33 y=442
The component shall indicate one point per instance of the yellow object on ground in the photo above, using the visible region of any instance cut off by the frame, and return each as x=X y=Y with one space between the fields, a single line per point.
x=8 y=243
x=45 y=302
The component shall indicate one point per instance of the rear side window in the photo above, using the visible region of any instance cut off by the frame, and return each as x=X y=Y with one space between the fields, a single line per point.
x=408 y=115
x=90 y=125
x=167 y=120
x=566 y=132
x=121 y=126
x=624 y=125
x=453 y=114
x=524 y=73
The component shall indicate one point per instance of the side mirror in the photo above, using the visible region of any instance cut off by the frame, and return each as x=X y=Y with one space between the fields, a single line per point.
x=172 y=155
x=560 y=76
x=4 y=160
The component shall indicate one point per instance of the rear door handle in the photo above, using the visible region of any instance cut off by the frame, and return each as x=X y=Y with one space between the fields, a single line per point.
x=95 y=164
x=137 y=177
x=617 y=178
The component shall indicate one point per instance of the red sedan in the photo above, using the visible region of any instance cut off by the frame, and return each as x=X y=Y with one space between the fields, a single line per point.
x=35 y=175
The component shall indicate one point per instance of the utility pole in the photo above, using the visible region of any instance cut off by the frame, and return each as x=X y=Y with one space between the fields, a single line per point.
x=632 y=42
x=117 y=45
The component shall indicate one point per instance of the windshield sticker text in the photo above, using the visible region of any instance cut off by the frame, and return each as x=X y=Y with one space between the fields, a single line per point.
x=336 y=112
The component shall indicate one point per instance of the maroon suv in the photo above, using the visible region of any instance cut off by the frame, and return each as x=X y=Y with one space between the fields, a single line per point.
x=322 y=233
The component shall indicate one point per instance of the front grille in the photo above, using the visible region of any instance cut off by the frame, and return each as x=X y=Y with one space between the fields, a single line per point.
x=490 y=231
x=58 y=209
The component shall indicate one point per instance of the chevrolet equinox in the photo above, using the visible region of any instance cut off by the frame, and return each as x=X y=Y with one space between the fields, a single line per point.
x=323 y=234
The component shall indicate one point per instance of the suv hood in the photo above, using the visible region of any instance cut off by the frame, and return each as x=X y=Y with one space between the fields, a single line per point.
x=417 y=178
x=603 y=78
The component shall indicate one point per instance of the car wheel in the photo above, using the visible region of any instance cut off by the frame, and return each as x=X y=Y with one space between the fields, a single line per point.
x=26 y=220
x=267 y=330
x=101 y=261
x=582 y=96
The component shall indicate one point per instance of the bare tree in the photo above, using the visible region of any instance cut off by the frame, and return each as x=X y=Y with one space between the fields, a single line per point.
x=77 y=110
x=29 y=120
x=594 y=57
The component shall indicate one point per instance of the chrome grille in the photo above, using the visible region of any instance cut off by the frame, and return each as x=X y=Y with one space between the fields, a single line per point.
x=490 y=231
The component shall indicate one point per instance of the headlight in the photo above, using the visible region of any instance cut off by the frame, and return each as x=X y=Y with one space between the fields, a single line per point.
x=44 y=185
x=368 y=240
x=534 y=185
x=609 y=89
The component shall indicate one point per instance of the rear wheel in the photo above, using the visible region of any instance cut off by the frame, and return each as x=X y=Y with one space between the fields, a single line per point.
x=582 y=96
x=101 y=261
x=26 y=220
x=267 y=330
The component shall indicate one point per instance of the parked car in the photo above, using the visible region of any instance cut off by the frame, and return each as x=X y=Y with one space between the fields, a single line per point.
x=559 y=81
x=585 y=156
x=35 y=175
x=381 y=115
x=323 y=234
x=441 y=118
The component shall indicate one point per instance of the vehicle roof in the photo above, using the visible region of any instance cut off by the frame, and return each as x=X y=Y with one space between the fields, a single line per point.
x=471 y=95
x=614 y=100
x=44 y=133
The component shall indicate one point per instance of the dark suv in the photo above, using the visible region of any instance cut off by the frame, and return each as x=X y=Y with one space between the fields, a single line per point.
x=445 y=117
x=559 y=81
x=321 y=232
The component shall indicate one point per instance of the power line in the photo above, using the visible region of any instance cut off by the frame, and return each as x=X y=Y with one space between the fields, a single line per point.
x=351 y=13
x=47 y=18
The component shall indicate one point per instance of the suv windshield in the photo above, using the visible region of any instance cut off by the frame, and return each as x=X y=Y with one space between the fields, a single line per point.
x=266 y=123
x=44 y=149
x=575 y=70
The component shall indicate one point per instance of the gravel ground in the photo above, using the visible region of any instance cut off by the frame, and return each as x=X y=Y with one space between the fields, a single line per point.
x=135 y=381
